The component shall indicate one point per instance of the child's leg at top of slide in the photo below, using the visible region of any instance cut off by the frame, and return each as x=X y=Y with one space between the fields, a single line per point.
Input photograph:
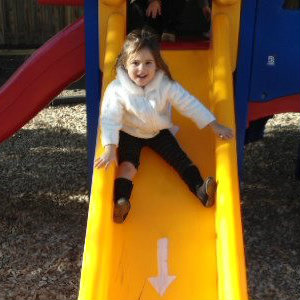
x=171 y=12
x=139 y=15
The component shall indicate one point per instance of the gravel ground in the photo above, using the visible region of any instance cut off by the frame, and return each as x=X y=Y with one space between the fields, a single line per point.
x=44 y=195
x=44 y=200
x=271 y=211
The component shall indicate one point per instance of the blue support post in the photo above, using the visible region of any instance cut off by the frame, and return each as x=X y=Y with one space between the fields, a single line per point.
x=243 y=74
x=93 y=78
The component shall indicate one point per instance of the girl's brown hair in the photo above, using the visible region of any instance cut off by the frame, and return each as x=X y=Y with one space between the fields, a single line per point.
x=138 y=40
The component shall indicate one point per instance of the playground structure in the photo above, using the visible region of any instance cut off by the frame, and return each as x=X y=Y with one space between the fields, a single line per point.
x=170 y=247
x=268 y=74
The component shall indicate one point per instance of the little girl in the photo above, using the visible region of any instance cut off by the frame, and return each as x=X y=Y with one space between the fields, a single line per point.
x=136 y=112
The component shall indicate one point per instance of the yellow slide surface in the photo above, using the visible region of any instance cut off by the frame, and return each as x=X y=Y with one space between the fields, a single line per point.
x=170 y=246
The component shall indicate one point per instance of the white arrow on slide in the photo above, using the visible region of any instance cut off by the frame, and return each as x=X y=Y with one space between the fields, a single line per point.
x=163 y=280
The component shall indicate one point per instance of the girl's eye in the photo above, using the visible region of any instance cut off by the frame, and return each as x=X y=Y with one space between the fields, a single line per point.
x=149 y=63
x=135 y=63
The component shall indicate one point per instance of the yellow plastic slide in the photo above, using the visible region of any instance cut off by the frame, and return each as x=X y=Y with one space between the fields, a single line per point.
x=170 y=246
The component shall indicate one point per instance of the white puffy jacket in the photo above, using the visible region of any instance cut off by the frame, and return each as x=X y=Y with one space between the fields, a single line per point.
x=143 y=112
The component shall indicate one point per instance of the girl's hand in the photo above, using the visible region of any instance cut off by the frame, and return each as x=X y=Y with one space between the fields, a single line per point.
x=107 y=157
x=154 y=9
x=222 y=131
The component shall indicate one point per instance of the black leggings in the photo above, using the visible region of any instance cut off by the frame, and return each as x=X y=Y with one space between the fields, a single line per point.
x=166 y=145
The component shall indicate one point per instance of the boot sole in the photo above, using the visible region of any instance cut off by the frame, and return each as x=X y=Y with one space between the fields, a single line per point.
x=121 y=211
x=210 y=188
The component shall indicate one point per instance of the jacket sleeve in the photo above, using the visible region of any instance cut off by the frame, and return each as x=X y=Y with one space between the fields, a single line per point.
x=111 y=117
x=189 y=106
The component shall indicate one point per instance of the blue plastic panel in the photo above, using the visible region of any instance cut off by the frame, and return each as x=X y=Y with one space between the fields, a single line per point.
x=276 y=54
x=93 y=77
x=243 y=74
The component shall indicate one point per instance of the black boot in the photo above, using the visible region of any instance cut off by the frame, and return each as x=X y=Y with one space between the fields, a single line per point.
x=122 y=193
x=204 y=190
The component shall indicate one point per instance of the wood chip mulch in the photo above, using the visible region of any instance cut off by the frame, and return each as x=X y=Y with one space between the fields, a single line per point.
x=44 y=204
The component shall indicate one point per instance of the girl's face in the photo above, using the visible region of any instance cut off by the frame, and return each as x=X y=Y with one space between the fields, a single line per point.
x=141 y=67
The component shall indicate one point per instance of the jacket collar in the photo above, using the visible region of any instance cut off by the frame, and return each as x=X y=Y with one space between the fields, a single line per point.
x=131 y=87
